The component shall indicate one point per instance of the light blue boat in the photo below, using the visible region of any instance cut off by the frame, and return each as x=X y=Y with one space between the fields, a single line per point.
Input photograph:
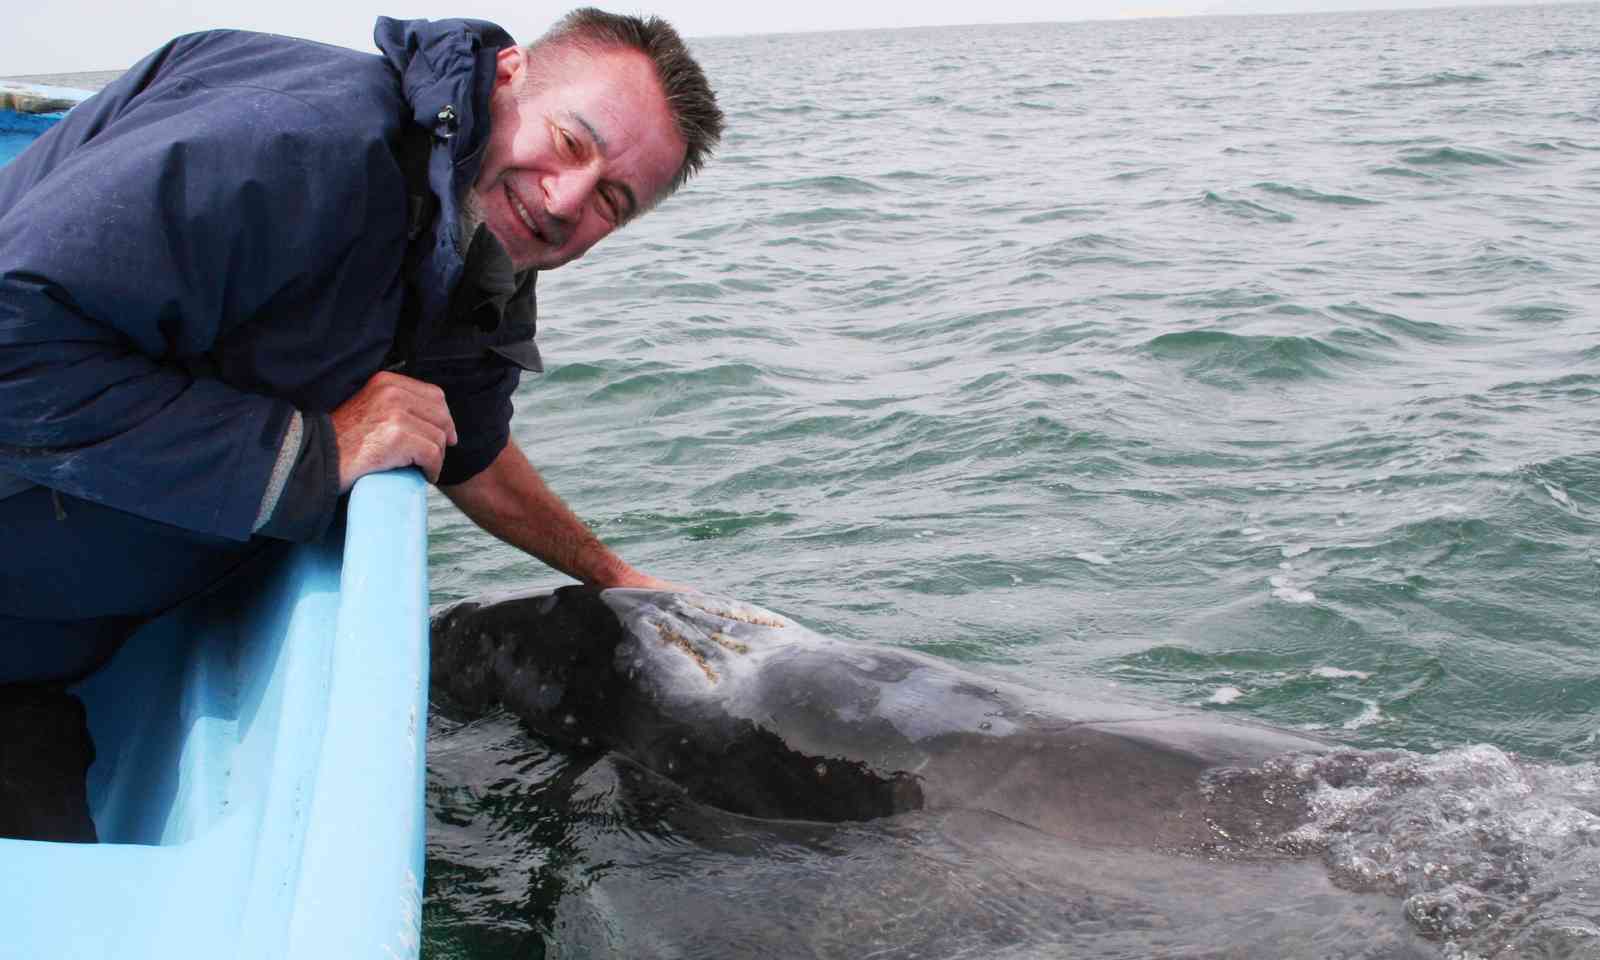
x=259 y=771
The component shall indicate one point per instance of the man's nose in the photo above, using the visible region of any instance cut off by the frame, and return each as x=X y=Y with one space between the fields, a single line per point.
x=569 y=191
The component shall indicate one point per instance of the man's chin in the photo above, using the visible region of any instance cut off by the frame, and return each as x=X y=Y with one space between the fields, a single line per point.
x=547 y=260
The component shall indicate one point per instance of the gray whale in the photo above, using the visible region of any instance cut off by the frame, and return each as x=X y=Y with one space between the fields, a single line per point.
x=728 y=783
x=756 y=715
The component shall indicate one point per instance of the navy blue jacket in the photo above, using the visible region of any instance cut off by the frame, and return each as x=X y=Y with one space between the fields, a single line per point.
x=224 y=235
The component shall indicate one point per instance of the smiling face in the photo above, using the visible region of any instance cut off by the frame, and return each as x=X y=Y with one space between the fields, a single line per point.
x=584 y=147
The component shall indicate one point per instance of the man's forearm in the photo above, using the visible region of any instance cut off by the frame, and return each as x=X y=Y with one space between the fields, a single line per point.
x=510 y=500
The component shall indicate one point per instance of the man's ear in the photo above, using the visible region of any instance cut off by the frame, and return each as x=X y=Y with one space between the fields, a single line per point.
x=509 y=64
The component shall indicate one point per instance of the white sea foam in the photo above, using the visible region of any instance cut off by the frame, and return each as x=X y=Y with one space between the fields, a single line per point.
x=1369 y=715
x=1225 y=695
x=1296 y=550
x=1493 y=856
x=1286 y=589
x=1093 y=558
x=1334 y=673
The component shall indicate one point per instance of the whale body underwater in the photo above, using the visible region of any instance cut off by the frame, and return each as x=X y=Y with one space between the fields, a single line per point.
x=764 y=789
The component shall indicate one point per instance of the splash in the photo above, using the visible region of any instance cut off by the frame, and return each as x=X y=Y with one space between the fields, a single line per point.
x=1494 y=856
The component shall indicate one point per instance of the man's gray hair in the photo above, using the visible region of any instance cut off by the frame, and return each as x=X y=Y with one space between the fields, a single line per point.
x=688 y=93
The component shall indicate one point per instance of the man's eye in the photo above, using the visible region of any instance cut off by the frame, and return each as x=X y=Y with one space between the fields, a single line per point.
x=569 y=141
x=610 y=207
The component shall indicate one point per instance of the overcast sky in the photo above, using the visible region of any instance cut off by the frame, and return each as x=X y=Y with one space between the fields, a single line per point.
x=64 y=36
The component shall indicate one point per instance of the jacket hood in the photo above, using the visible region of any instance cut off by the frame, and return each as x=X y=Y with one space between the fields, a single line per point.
x=447 y=71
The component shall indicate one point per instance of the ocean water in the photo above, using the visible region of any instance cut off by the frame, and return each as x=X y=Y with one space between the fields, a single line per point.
x=1250 y=363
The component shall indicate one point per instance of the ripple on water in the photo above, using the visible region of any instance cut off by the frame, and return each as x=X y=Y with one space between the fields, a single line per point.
x=1317 y=196
x=1394 y=323
x=1444 y=78
x=1459 y=157
x=743 y=379
x=1228 y=359
x=835 y=185
x=1535 y=312
x=1244 y=209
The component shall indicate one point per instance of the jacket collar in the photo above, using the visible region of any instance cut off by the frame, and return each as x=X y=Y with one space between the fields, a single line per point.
x=446 y=70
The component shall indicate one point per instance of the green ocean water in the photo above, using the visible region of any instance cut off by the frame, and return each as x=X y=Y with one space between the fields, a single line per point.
x=1250 y=363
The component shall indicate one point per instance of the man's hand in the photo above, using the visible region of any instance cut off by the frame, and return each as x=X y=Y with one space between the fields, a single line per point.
x=644 y=581
x=393 y=421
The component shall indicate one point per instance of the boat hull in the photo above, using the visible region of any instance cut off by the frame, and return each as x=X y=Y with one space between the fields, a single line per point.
x=259 y=771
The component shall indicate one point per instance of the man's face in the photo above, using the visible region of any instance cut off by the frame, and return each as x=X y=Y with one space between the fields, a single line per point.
x=589 y=145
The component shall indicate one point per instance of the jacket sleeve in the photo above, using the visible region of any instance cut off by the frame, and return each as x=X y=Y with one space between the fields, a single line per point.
x=188 y=211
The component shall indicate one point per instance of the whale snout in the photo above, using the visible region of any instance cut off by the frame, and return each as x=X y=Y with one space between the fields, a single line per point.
x=692 y=643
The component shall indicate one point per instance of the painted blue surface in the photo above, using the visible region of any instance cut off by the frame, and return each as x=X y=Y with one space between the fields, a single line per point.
x=17 y=129
x=25 y=126
x=259 y=771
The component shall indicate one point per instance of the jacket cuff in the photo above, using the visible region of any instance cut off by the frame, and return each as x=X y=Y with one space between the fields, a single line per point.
x=310 y=496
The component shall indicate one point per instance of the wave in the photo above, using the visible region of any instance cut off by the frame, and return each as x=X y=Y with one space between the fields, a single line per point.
x=805 y=218
x=675 y=385
x=689 y=291
x=1221 y=358
x=1457 y=157
x=1395 y=323
x=1244 y=209
x=1403 y=172
x=1127 y=175
x=1561 y=53
x=720 y=524
x=1444 y=78
x=1536 y=312
x=1044 y=88
x=1574 y=387
x=834 y=185
x=1316 y=196
x=1083 y=250
x=1064 y=213
x=1230 y=298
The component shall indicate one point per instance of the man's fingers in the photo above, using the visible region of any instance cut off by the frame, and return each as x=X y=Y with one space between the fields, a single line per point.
x=392 y=421
x=425 y=443
x=396 y=391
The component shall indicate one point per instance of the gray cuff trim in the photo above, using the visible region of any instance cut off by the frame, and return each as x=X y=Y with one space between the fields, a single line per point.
x=288 y=453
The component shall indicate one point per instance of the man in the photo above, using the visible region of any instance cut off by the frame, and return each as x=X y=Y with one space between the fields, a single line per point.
x=255 y=269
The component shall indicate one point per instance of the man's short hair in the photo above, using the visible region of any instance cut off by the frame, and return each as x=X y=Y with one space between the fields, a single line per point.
x=688 y=93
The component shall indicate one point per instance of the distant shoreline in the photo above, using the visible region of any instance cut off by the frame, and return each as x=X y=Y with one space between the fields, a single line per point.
x=83 y=80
